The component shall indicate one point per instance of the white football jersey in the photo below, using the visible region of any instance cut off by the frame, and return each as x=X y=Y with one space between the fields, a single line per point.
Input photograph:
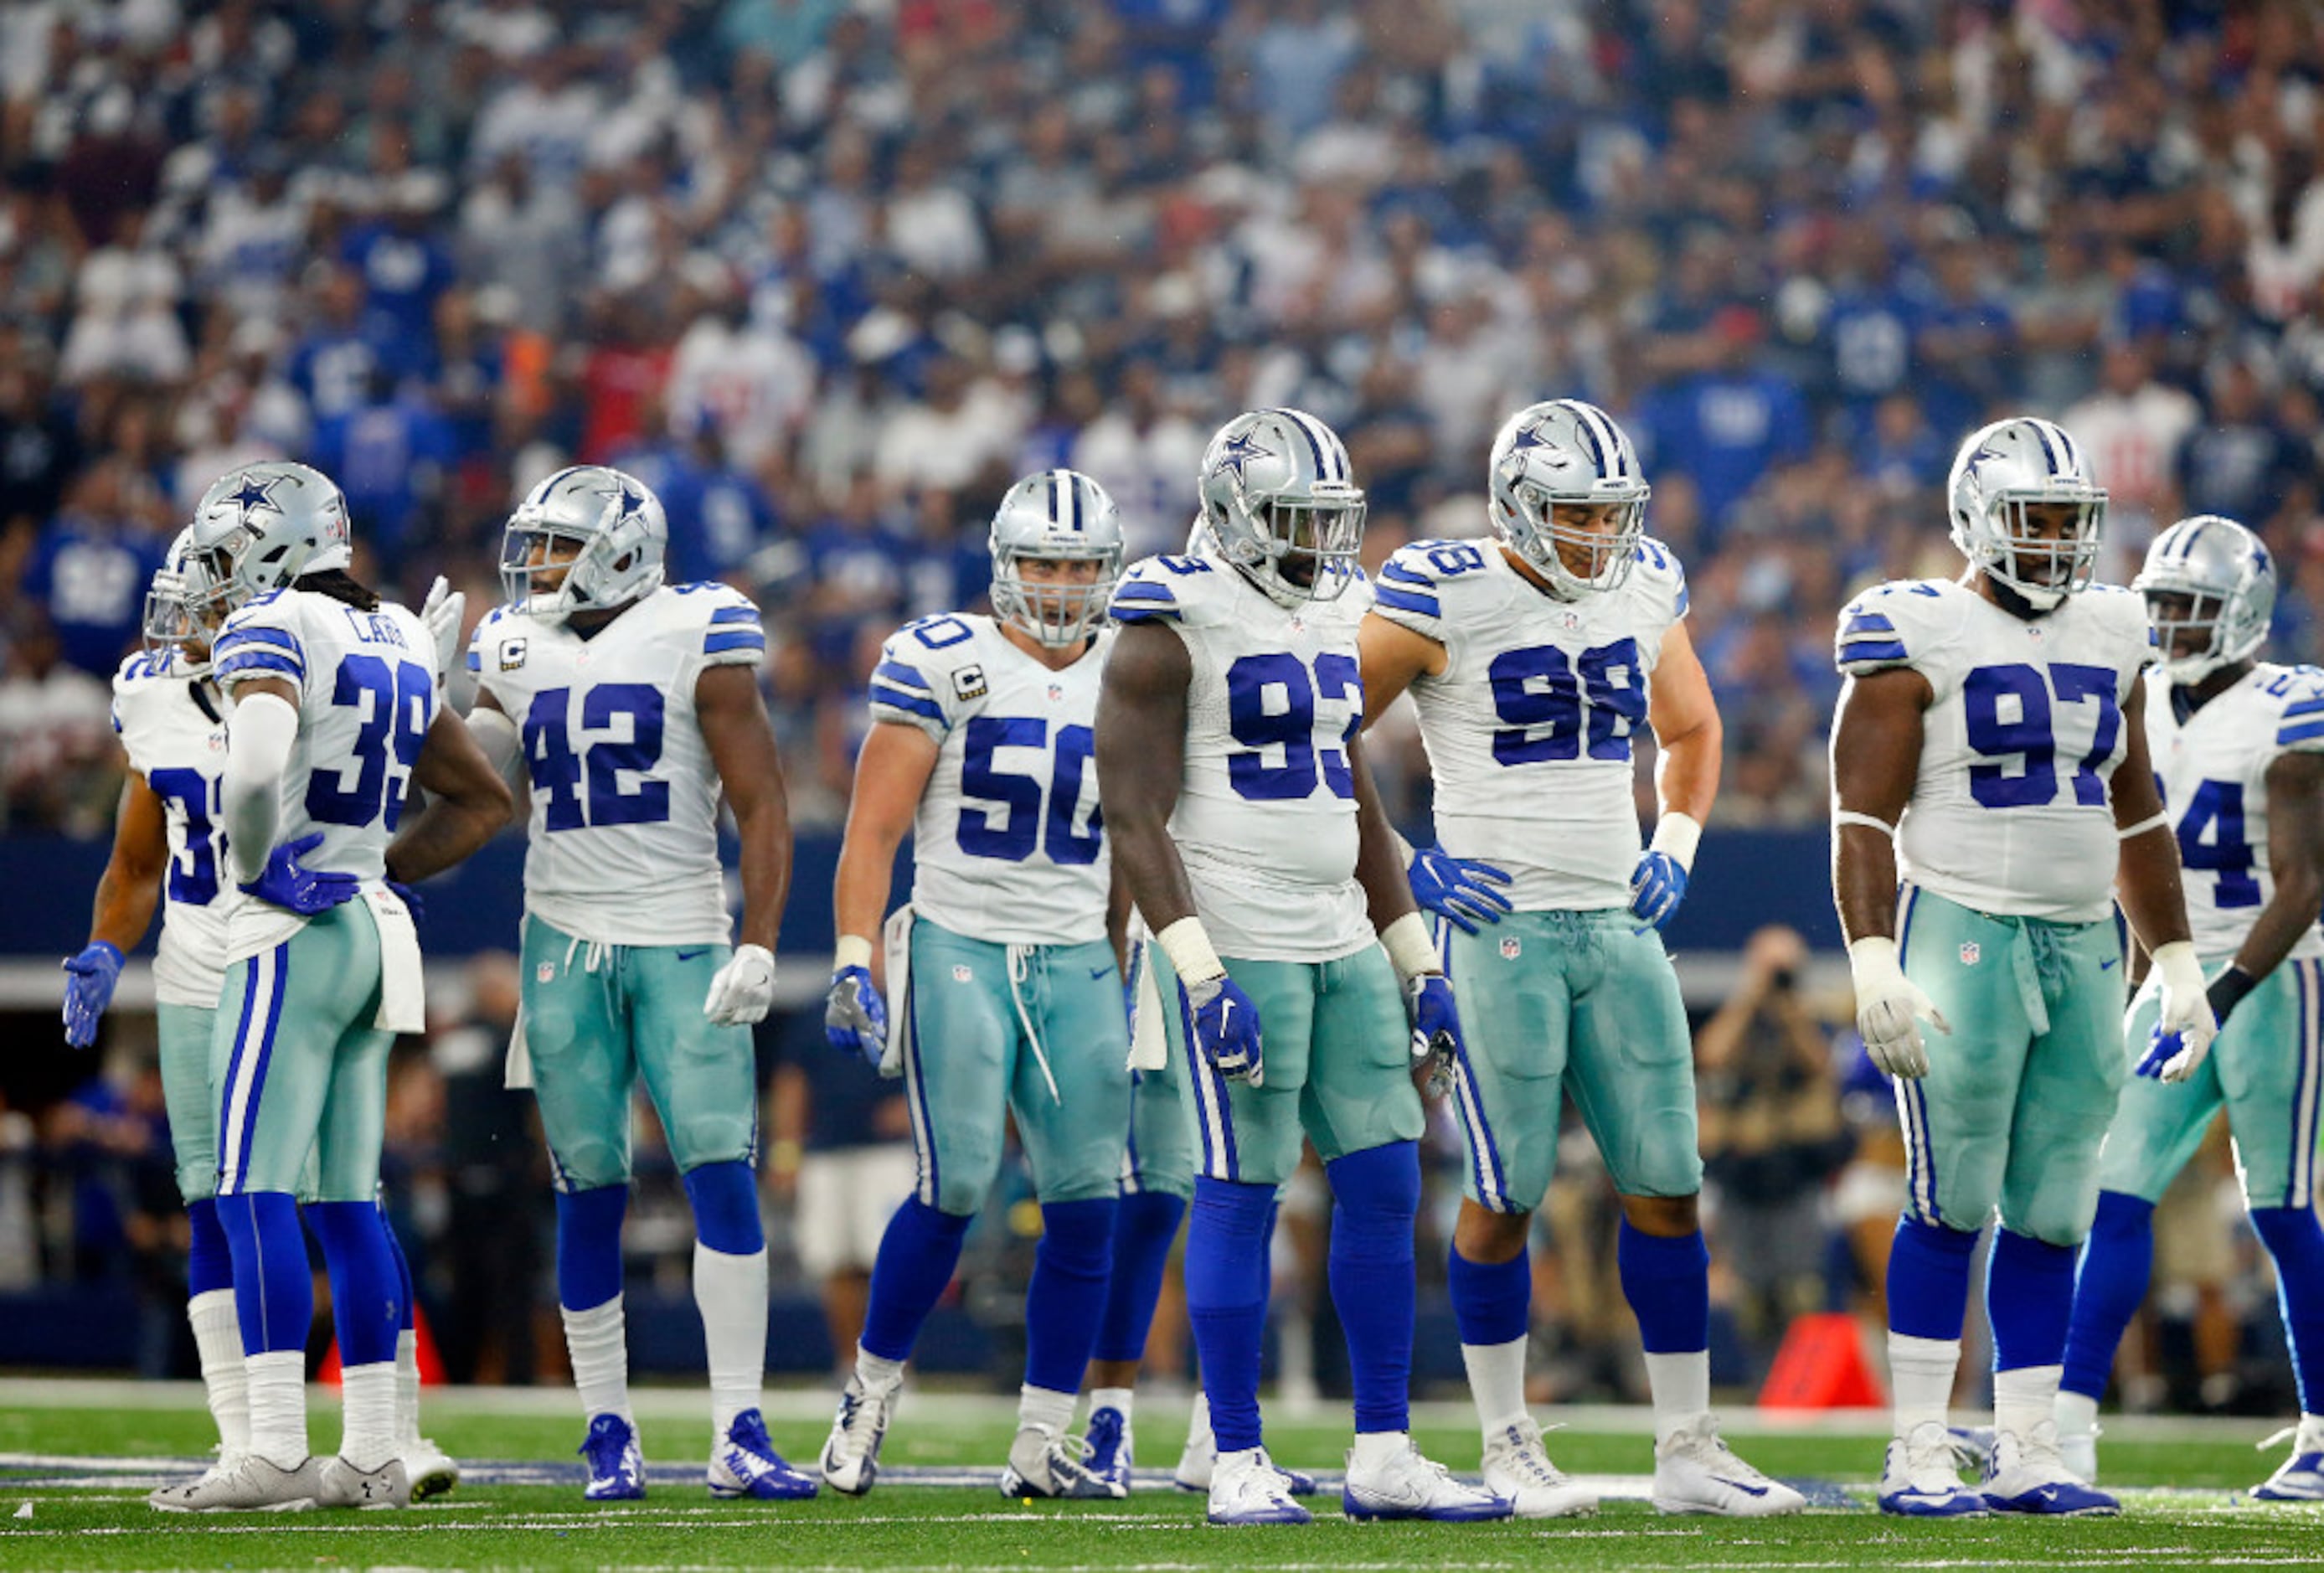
x=1008 y=845
x=366 y=697
x=173 y=727
x=2213 y=768
x=624 y=794
x=1529 y=727
x=1266 y=822
x=2012 y=812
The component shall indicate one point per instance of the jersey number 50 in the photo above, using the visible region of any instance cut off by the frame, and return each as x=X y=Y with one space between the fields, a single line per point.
x=1024 y=825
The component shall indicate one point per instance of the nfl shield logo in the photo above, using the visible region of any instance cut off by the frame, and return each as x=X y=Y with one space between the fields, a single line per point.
x=546 y=972
x=1511 y=947
x=1970 y=953
x=961 y=974
x=1056 y=691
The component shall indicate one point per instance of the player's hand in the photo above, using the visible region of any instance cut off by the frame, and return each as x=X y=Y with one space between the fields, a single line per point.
x=90 y=989
x=743 y=989
x=855 y=1017
x=1436 y=1041
x=445 y=611
x=1657 y=886
x=1890 y=1008
x=409 y=897
x=2182 y=1034
x=1226 y=1026
x=303 y=891
x=1460 y=889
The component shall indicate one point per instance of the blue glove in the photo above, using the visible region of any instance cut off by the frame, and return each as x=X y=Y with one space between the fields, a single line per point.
x=855 y=1017
x=1456 y=889
x=1656 y=887
x=305 y=891
x=409 y=897
x=2162 y=1049
x=1226 y=1024
x=93 y=972
x=1436 y=1041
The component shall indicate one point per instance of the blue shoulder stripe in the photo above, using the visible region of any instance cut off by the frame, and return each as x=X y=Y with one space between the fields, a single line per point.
x=2312 y=705
x=261 y=661
x=1393 y=569
x=734 y=615
x=1869 y=622
x=1862 y=650
x=902 y=676
x=1685 y=598
x=898 y=700
x=258 y=633
x=1406 y=601
x=1122 y=613
x=476 y=662
x=719 y=642
x=2300 y=732
x=1144 y=590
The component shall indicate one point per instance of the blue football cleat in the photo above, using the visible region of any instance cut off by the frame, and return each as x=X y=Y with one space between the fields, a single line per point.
x=744 y=1463
x=617 y=1470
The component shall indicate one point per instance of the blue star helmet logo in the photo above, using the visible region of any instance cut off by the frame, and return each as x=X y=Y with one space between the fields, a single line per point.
x=631 y=498
x=1530 y=437
x=1240 y=450
x=255 y=493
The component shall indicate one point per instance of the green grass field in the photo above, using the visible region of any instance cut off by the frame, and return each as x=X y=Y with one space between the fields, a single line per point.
x=80 y=1456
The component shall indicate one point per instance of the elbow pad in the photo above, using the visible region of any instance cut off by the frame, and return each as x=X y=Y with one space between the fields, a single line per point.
x=259 y=741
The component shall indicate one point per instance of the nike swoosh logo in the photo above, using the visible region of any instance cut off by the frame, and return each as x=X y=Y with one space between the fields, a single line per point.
x=1738 y=1485
x=690 y=955
x=1099 y=971
x=2103 y=965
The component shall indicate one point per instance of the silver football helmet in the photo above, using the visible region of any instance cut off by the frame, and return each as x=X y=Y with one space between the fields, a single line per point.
x=2230 y=581
x=1566 y=452
x=1279 y=493
x=586 y=538
x=1059 y=515
x=2000 y=472
x=179 y=585
x=260 y=527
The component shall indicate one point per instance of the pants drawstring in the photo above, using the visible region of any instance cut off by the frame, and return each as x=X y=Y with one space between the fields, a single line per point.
x=1020 y=960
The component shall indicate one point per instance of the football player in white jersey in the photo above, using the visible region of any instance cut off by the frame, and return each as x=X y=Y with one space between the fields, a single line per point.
x=1246 y=826
x=1535 y=660
x=1990 y=747
x=2239 y=746
x=334 y=719
x=1005 y=964
x=629 y=704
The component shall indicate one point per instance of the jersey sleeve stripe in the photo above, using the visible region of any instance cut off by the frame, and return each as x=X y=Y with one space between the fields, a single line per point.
x=734 y=615
x=2311 y=706
x=902 y=676
x=2300 y=732
x=1141 y=590
x=1122 y=613
x=1685 y=598
x=719 y=644
x=1868 y=622
x=476 y=662
x=1867 y=651
x=886 y=698
x=261 y=663
x=1406 y=601
x=282 y=639
x=1393 y=569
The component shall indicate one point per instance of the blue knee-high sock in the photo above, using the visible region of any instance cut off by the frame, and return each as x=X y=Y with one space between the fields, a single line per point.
x=1492 y=1302
x=366 y=1302
x=273 y=1298
x=589 y=1245
x=2029 y=1299
x=209 y=1260
x=2296 y=1240
x=916 y=1257
x=1226 y=1301
x=725 y=1201
x=1377 y=1193
x=1667 y=1279
x=402 y=1269
x=1928 y=1280
x=2117 y=1260
x=1145 y=1228
x=1062 y=1305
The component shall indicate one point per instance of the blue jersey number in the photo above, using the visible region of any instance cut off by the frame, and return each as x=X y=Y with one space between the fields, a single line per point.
x=193 y=873
x=2011 y=716
x=1270 y=706
x=1551 y=705
x=395 y=704
x=631 y=715
x=1012 y=835
x=2219 y=807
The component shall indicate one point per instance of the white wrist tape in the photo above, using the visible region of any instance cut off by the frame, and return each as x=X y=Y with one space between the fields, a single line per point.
x=850 y=950
x=1679 y=835
x=2133 y=832
x=1851 y=817
x=1873 y=960
x=1409 y=948
x=1187 y=944
x=2180 y=970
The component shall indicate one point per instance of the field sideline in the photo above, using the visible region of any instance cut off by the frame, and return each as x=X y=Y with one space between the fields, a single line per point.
x=76 y=1457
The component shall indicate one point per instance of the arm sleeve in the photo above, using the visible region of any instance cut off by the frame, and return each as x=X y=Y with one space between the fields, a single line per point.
x=258 y=751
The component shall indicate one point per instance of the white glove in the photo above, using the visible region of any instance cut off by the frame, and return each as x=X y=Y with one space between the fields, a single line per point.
x=1890 y=1008
x=743 y=989
x=445 y=611
x=2183 y=1033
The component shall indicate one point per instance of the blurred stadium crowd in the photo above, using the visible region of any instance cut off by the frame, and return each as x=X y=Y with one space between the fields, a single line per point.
x=829 y=274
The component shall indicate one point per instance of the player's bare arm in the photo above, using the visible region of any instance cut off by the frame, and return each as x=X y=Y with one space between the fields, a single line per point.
x=1688 y=735
x=2295 y=858
x=891 y=772
x=1141 y=748
x=1392 y=657
x=1875 y=756
x=1118 y=909
x=2147 y=880
x=467 y=803
x=742 y=743
x=130 y=888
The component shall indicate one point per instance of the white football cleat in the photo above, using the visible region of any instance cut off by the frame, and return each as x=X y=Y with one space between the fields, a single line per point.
x=851 y=1454
x=1246 y=1489
x=1695 y=1472
x=1518 y=1468
x=1922 y=1476
x=2301 y=1477
x=246 y=1483
x=344 y=1486
x=1044 y=1464
x=432 y=1471
x=2080 y=1449
x=2027 y=1473
x=1406 y=1484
